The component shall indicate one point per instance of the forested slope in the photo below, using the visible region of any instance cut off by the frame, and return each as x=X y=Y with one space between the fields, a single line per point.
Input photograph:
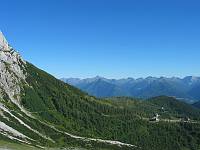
x=71 y=110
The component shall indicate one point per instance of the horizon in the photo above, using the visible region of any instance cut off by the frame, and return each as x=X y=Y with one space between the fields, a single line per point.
x=159 y=77
x=106 y=38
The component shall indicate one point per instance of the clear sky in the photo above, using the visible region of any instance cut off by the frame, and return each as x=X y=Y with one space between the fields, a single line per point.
x=110 y=38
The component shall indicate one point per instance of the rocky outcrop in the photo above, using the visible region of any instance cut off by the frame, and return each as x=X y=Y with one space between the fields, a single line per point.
x=3 y=42
x=12 y=74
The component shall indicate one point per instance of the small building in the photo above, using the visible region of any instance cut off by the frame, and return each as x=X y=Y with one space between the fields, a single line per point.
x=186 y=119
x=155 y=118
x=162 y=108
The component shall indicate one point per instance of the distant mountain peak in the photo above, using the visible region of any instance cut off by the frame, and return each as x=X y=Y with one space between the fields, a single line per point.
x=98 y=77
x=191 y=79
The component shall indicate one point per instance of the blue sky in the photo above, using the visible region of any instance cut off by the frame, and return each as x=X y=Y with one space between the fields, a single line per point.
x=110 y=38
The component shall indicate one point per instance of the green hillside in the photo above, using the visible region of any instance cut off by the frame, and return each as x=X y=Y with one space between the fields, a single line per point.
x=167 y=107
x=176 y=108
x=68 y=109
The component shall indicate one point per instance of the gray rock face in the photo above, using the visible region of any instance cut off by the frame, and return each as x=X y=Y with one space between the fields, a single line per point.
x=3 y=42
x=12 y=74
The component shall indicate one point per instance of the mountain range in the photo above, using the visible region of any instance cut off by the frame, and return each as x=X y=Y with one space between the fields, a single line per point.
x=38 y=111
x=197 y=104
x=186 y=89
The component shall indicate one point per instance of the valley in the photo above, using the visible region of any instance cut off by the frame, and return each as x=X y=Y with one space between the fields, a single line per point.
x=41 y=112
